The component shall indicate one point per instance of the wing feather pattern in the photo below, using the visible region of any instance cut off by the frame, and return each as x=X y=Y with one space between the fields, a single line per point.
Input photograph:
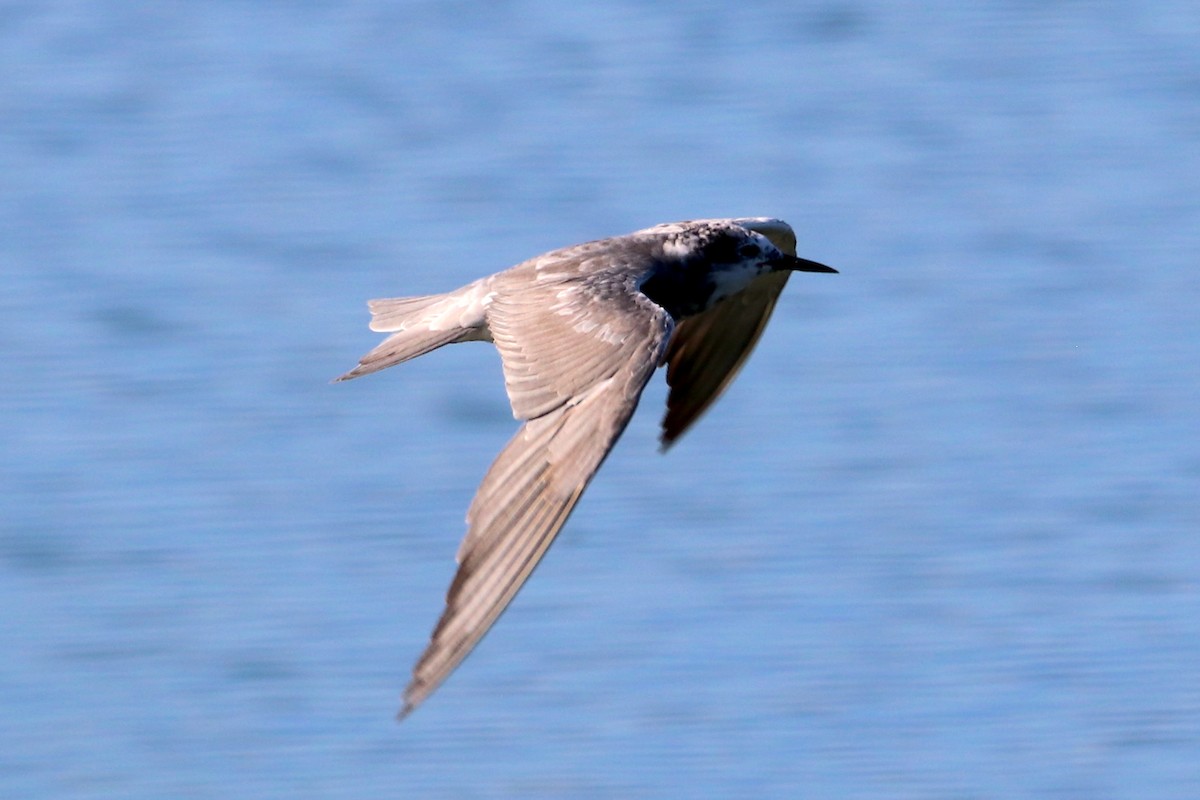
x=576 y=358
x=708 y=349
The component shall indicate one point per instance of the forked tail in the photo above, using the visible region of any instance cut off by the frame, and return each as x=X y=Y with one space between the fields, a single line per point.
x=418 y=325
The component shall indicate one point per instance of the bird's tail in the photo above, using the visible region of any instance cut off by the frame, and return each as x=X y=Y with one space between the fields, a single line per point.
x=417 y=325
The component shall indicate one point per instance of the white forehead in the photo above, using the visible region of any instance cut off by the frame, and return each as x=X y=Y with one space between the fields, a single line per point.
x=778 y=232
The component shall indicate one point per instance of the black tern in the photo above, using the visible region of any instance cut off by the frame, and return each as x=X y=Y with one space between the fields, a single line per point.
x=580 y=331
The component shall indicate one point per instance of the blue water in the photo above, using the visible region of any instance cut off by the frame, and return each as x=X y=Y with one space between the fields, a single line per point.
x=940 y=540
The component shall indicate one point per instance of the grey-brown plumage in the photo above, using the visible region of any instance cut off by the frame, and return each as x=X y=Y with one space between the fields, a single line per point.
x=580 y=331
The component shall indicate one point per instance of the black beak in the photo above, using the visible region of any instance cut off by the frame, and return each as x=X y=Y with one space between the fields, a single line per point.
x=801 y=265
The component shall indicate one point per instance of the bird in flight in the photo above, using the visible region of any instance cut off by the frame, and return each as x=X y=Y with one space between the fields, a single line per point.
x=580 y=331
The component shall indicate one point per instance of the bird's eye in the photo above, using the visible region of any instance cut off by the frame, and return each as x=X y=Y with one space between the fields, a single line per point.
x=749 y=251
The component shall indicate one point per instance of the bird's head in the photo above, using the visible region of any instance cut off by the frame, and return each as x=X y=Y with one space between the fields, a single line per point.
x=703 y=262
x=753 y=244
x=783 y=239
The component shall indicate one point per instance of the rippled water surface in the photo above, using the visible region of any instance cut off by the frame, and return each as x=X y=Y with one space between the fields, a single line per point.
x=938 y=541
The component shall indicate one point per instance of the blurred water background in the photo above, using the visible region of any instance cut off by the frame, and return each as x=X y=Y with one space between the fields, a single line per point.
x=938 y=541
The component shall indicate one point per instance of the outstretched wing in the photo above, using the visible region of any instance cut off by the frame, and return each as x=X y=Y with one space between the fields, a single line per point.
x=707 y=350
x=576 y=358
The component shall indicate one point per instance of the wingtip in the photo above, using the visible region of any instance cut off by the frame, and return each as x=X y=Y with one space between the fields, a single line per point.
x=416 y=693
x=409 y=702
x=347 y=376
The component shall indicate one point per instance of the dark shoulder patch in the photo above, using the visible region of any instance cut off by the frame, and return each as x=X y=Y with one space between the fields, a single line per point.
x=723 y=248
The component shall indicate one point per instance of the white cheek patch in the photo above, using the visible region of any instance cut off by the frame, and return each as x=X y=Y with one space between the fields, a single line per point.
x=728 y=282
